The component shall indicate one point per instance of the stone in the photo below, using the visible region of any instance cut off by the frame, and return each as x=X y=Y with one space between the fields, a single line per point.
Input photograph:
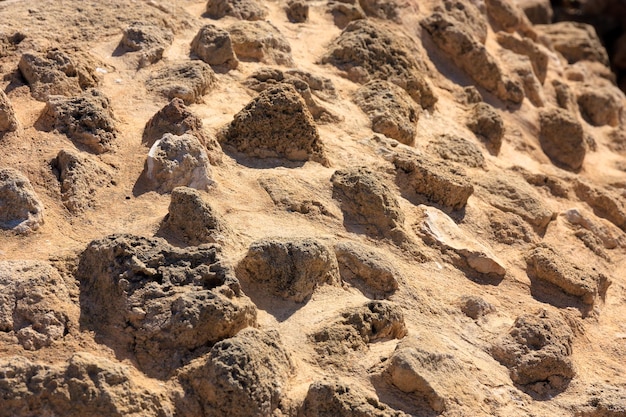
x=457 y=149
x=470 y=15
x=539 y=12
x=345 y=11
x=475 y=307
x=297 y=196
x=158 y=303
x=437 y=182
x=35 y=304
x=487 y=124
x=87 y=119
x=187 y=80
x=276 y=124
x=297 y=11
x=289 y=268
x=240 y=9
x=191 y=219
x=260 y=41
x=245 y=375
x=607 y=233
x=390 y=110
x=575 y=41
x=149 y=40
x=8 y=120
x=381 y=9
x=525 y=46
x=368 y=203
x=175 y=161
x=21 y=210
x=601 y=106
x=507 y=15
x=215 y=47
x=561 y=138
x=603 y=203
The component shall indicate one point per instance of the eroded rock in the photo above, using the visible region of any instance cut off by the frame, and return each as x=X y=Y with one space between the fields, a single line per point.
x=297 y=196
x=524 y=46
x=345 y=11
x=604 y=203
x=150 y=41
x=507 y=15
x=297 y=11
x=561 y=138
x=260 y=42
x=457 y=149
x=539 y=12
x=240 y=9
x=487 y=125
x=20 y=207
x=188 y=80
x=8 y=120
x=475 y=307
x=601 y=106
x=575 y=41
x=607 y=233
x=215 y=47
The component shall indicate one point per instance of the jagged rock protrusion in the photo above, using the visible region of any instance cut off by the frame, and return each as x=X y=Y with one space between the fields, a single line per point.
x=561 y=138
x=487 y=125
x=148 y=40
x=22 y=211
x=240 y=9
x=187 y=80
x=8 y=120
x=260 y=41
x=215 y=47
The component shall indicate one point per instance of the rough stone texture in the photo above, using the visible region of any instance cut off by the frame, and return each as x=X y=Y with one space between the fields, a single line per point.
x=437 y=229
x=608 y=234
x=487 y=124
x=81 y=177
x=58 y=72
x=191 y=219
x=86 y=119
x=561 y=138
x=187 y=80
x=521 y=68
x=603 y=203
x=367 y=51
x=334 y=399
x=297 y=196
x=345 y=11
x=475 y=307
x=175 y=161
x=243 y=376
x=547 y=264
x=177 y=119
x=524 y=46
x=8 y=120
x=150 y=41
x=506 y=15
x=438 y=182
x=381 y=9
x=469 y=54
x=297 y=11
x=35 y=305
x=510 y=229
x=537 y=350
x=601 y=106
x=289 y=268
x=470 y=15
x=20 y=207
x=159 y=303
x=260 y=42
x=539 y=12
x=510 y=193
x=86 y=385
x=276 y=124
x=368 y=202
x=457 y=149
x=240 y=9
x=366 y=268
x=215 y=47
x=603 y=400
x=575 y=41
x=390 y=109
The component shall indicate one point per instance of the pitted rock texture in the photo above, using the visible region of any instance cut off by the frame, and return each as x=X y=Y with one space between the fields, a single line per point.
x=148 y=40
x=539 y=12
x=575 y=41
x=158 y=303
x=487 y=125
x=457 y=149
x=561 y=138
x=215 y=47
x=240 y=9
x=187 y=80
x=8 y=120
x=297 y=196
x=260 y=41
x=601 y=106
x=20 y=207
x=297 y=11
x=524 y=46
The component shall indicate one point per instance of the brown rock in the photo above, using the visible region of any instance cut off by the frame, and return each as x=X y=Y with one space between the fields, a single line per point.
x=575 y=41
x=539 y=12
x=524 y=46
x=260 y=42
x=608 y=234
x=240 y=9
x=601 y=106
x=345 y=11
x=561 y=138
x=188 y=80
x=507 y=15
x=22 y=211
x=457 y=149
x=469 y=15
x=299 y=196
x=487 y=124
x=475 y=307
x=603 y=203
x=147 y=39
x=215 y=47
x=381 y=9
x=297 y=11
x=8 y=120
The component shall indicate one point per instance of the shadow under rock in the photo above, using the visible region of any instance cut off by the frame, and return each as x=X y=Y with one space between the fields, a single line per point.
x=279 y=308
x=548 y=293
x=260 y=163
x=409 y=403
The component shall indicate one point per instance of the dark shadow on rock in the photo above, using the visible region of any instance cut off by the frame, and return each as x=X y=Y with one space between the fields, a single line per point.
x=15 y=81
x=279 y=308
x=409 y=403
x=541 y=390
x=261 y=163
x=548 y=293
x=143 y=184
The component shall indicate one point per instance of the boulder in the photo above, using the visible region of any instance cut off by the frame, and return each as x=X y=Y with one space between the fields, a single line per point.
x=604 y=203
x=575 y=41
x=20 y=207
x=86 y=119
x=507 y=15
x=470 y=15
x=457 y=149
x=297 y=11
x=381 y=9
x=608 y=234
x=487 y=124
x=240 y=9
x=276 y=124
x=601 y=106
x=260 y=41
x=345 y=11
x=35 y=304
x=390 y=110
x=8 y=120
x=175 y=161
x=159 y=303
x=561 y=138
x=148 y=40
x=245 y=375
x=215 y=47
x=187 y=80
x=289 y=268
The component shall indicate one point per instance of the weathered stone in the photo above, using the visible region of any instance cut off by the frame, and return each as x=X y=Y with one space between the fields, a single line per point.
x=601 y=106
x=215 y=47
x=260 y=42
x=297 y=11
x=240 y=9
x=524 y=46
x=366 y=268
x=188 y=80
x=150 y=41
x=20 y=207
x=457 y=149
x=575 y=41
x=603 y=203
x=487 y=124
x=8 y=120
x=561 y=138
x=539 y=12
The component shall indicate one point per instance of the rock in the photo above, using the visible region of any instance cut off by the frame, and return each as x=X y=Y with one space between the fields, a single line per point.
x=457 y=149
x=35 y=304
x=276 y=124
x=537 y=350
x=606 y=232
x=507 y=15
x=85 y=385
x=487 y=124
x=546 y=264
x=601 y=106
x=297 y=11
x=603 y=203
x=58 y=72
x=20 y=207
x=177 y=119
x=575 y=41
x=175 y=161
x=510 y=229
x=390 y=109
x=469 y=54
x=345 y=11
x=289 y=268
x=240 y=9
x=368 y=202
x=245 y=375
x=561 y=138
x=193 y=220
x=603 y=400
x=187 y=80
x=8 y=120
x=320 y=86
x=367 y=51
x=564 y=96
x=297 y=196
x=470 y=15
x=524 y=46
x=334 y=399
x=437 y=182
x=159 y=303
x=554 y=185
x=260 y=42
x=475 y=307
x=366 y=268
x=521 y=68
x=381 y=9
x=147 y=39
x=539 y=12
x=511 y=194
x=80 y=177
x=471 y=95
x=87 y=119
x=437 y=229
x=215 y=47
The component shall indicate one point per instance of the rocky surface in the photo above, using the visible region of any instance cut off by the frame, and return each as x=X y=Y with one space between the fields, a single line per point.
x=22 y=211
x=149 y=41
x=188 y=81
x=260 y=41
